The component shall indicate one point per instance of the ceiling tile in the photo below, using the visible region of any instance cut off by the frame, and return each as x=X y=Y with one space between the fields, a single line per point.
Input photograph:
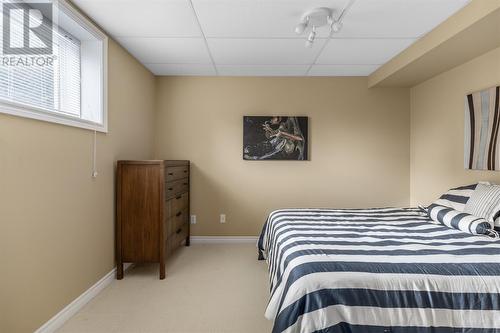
x=182 y=69
x=167 y=50
x=253 y=18
x=262 y=70
x=342 y=70
x=263 y=51
x=397 y=18
x=362 y=51
x=256 y=37
x=145 y=18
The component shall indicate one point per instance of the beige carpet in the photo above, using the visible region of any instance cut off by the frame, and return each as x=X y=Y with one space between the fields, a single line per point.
x=208 y=289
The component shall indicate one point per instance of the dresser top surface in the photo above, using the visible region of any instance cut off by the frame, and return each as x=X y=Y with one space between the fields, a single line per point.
x=155 y=162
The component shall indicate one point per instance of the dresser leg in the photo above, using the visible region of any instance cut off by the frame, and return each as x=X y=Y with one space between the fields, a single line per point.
x=162 y=270
x=187 y=241
x=119 y=271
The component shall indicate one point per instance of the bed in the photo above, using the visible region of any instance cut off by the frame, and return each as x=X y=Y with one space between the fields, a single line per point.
x=378 y=270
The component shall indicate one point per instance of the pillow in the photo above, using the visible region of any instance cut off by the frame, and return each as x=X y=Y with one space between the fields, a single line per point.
x=460 y=220
x=484 y=202
x=456 y=198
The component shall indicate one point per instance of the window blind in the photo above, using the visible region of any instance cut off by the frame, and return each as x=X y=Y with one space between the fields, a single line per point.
x=54 y=86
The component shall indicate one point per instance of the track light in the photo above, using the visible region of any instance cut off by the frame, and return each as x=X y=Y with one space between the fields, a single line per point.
x=311 y=38
x=320 y=17
x=300 y=28
x=315 y=18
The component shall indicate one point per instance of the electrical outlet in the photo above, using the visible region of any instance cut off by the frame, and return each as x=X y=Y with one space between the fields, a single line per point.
x=193 y=219
x=222 y=218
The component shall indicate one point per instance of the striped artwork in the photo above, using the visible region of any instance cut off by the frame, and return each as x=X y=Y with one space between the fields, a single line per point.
x=482 y=119
x=378 y=270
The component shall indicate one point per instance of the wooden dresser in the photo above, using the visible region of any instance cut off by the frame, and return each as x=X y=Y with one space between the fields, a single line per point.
x=152 y=211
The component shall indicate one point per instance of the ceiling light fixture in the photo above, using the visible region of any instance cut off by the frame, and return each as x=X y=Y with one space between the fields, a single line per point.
x=313 y=19
x=319 y=17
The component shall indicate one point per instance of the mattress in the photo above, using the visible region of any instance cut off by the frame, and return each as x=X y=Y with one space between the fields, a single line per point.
x=378 y=270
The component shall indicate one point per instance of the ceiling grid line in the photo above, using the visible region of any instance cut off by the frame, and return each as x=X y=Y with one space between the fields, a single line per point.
x=257 y=38
x=339 y=19
x=263 y=37
x=263 y=64
x=317 y=57
x=204 y=37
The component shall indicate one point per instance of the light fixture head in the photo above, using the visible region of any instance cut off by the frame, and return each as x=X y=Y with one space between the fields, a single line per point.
x=300 y=28
x=311 y=38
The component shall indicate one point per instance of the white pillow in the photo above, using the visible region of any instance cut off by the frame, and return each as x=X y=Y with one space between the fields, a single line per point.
x=484 y=202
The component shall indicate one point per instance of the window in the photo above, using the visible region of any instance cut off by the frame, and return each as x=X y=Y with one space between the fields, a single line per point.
x=53 y=65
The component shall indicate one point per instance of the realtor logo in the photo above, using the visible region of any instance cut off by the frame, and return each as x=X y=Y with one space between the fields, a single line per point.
x=27 y=28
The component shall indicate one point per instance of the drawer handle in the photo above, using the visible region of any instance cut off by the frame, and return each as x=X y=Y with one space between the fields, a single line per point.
x=178 y=197
x=185 y=171
x=170 y=188
x=185 y=183
x=170 y=173
x=178 y=214
x=178 y=231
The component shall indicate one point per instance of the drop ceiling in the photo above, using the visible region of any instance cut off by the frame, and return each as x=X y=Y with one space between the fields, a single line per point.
x=256 y=37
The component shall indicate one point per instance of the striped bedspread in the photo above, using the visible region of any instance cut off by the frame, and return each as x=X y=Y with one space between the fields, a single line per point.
x=378 y=270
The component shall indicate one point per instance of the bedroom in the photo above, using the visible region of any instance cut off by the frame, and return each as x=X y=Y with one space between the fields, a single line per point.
x=385 y=93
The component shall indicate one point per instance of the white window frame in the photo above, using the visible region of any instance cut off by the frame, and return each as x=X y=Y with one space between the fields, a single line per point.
x=33 y=112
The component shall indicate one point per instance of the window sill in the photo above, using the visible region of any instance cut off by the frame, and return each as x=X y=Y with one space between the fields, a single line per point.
x=34 y=113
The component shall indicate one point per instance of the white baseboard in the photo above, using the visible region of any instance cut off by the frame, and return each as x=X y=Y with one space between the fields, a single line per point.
x=72 y=308
x=223 y=239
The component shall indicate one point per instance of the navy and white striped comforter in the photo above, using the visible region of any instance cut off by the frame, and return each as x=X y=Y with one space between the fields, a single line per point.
x=378 y=270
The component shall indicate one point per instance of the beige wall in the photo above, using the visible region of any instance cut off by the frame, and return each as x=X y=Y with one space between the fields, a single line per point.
x=437 y=128
x=359 y=143
x=57 y=223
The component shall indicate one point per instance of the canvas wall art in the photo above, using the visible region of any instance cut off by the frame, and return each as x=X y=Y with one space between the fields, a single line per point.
x=275 y=138
x=482 y=119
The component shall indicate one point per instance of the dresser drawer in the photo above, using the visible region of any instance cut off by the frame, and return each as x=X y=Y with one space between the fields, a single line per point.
x=179 y=236
x=175 y=173
x=173 y=223
x=176 y=204
x=181 y=221
x=176 y=239
x=173 y=189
